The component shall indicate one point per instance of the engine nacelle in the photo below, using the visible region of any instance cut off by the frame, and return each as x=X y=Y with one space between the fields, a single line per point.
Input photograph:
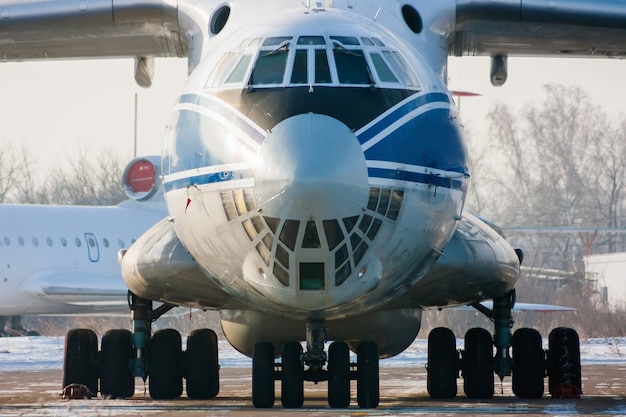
x=141 y=177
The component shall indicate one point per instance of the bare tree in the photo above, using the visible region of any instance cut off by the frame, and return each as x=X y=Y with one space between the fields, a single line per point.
x=86 y=181
x=12 y=169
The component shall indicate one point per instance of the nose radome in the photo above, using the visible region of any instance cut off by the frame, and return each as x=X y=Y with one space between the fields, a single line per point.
x=311 y=165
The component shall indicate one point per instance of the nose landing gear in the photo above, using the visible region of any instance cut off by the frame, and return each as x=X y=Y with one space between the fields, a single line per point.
x=528 y=365
x=292 y=373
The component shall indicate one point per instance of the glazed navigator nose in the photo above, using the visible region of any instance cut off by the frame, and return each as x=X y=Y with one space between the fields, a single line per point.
x=311 y=166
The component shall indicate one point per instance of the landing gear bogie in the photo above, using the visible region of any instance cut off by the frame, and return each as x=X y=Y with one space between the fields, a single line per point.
x=478 y=364
x=116 y=377
x=564 y=376
x=338 y=375
x=528 y=365
x=292 y=387
x=367 y=375
x=201 y=365
x=165 y=357
x=442 y=366
x=263 y=395
x=80 y=359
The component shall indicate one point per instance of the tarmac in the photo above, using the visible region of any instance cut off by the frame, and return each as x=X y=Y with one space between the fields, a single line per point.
x=402 y=392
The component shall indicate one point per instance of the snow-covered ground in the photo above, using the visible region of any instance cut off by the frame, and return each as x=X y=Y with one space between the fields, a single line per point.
x=46 y=353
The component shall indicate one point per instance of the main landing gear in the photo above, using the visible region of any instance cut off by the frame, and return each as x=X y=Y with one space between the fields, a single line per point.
x=528 y=365
x=292 y=373
x=125 y=355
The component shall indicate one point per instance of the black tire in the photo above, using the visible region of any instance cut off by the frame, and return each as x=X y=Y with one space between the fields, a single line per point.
x=564 y=376
x=202 y=365
x=442 y=364
x=339 y=375
x=529 y=363
x=116 y=373
x=79 y=359
x=367 y=375
x=478 y=364
x=292 y=386
x=165 y=365
x=263 y=395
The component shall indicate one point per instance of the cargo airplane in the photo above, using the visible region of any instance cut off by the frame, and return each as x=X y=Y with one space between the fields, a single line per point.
x=62 y=260
x=315 y=173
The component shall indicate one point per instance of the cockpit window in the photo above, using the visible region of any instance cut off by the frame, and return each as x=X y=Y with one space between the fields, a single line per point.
x=346 y=40
x=351 y=66
x=401 y=68
x=322 y=71
x=382 y=69
x=270 y=67
x=299 y=75
x=240 y=70
x=312 y=60
x=276 y=40
x=311 y=40
x=250 y=42
x=226 y=62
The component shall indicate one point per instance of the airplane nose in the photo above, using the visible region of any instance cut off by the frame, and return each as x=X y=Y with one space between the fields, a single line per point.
x=311 y=166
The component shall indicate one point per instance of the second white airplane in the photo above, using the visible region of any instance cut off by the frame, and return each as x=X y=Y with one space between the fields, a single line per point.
x=64 y=259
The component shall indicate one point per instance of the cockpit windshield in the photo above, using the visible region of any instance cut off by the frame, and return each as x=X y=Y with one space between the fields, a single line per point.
x=310 y=60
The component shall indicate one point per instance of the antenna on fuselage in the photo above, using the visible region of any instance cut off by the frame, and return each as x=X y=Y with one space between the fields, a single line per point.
x=377 y=13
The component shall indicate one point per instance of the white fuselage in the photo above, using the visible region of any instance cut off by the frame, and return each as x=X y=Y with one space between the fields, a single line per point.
x=315 y=165
x=64 y=259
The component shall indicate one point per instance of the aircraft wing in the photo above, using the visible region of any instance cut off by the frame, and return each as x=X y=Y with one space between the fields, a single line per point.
x=540 y=27
x=41 y=29
x=74 y=287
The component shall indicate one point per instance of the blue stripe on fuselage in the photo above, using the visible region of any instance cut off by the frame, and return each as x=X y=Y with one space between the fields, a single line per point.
x=207 y=179
x=431 y=140
x=416 y=177
x=222 y=110
x=403 y=110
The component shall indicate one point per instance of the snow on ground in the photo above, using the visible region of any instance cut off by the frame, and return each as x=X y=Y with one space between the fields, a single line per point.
x=46 y=353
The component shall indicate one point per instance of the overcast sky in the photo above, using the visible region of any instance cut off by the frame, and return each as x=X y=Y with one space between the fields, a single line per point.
x=57 y=108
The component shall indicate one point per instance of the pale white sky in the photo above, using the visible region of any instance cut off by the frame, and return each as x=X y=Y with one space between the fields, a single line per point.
x=57 y=108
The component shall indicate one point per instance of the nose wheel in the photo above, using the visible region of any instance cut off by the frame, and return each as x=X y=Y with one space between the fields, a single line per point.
x=297 y=366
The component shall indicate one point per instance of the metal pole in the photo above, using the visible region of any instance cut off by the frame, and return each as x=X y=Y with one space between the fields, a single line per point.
x=135 y=141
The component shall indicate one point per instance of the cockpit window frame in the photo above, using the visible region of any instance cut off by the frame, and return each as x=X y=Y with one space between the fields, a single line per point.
x=244 y=60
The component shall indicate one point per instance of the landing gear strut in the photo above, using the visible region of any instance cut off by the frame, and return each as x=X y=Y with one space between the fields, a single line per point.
x=292 y=373
x=528 y=365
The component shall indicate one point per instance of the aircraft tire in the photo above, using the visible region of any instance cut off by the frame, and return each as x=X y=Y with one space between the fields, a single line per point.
x=202 y=365
x=263 y=375
x=441 y=371
x=367 y=380
x=116 y=375
x=165 y=359
x=478 y=364
x=564 y=373
x=292 y=386
x=79 y=359
x=338 y=375
x=529 y=363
